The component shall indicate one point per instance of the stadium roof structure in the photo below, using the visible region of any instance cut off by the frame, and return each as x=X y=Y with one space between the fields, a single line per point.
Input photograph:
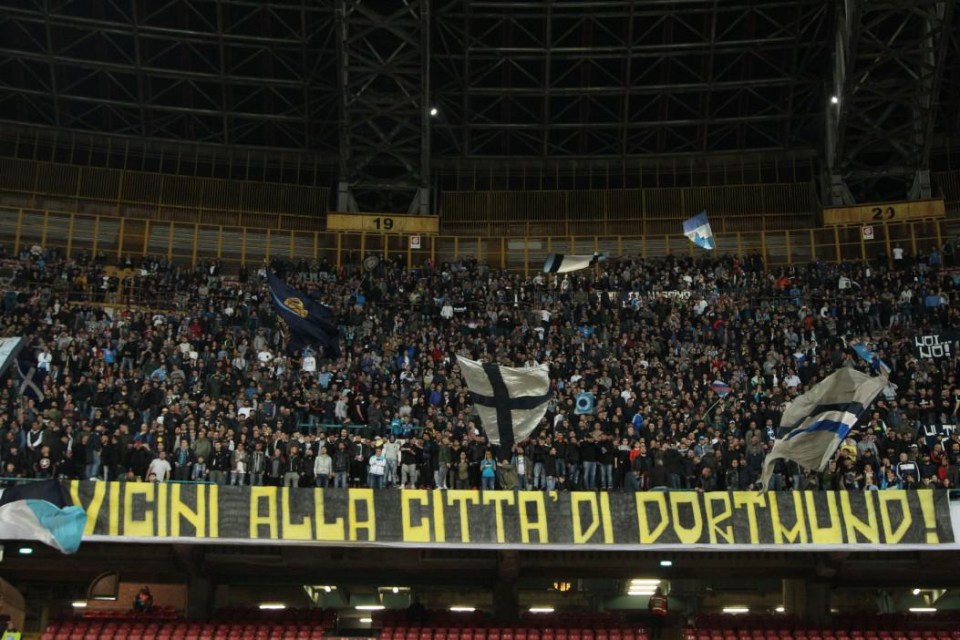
x=387 y=92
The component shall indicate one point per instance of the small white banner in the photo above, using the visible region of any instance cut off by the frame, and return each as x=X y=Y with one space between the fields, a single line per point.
x=868 y=233
x=414 y=242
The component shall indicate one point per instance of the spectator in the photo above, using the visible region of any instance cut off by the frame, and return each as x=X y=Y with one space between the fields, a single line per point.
x=122 y=390
x=143 y=602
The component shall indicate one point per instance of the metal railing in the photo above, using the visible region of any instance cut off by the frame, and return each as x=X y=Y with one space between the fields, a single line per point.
x=514 y=249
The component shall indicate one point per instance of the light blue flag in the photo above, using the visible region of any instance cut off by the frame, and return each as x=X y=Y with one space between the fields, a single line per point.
x=870 y=357
x=41 y=511
x=698 y=230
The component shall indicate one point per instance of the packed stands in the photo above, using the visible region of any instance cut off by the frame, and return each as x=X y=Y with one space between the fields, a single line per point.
x=208 y=386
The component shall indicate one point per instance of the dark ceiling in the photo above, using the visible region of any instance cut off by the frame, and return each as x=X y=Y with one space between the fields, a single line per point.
x=350 y=81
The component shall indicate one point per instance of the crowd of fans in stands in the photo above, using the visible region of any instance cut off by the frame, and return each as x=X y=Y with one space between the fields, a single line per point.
x=204 y=390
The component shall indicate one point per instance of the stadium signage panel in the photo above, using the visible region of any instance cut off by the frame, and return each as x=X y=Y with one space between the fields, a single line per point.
x=383 y=223
x=868 y=214
x=143 y=512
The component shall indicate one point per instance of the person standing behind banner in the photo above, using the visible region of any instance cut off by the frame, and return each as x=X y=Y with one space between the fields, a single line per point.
x=659 y=609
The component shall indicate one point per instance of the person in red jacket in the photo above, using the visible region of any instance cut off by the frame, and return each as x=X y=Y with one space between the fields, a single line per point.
x=658 y=608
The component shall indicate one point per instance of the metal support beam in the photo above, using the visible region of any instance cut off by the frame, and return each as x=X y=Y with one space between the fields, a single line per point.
x=888 y=63
x=384 y=66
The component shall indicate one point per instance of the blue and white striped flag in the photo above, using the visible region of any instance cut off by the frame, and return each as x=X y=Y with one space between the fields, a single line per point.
x=819 y=420
x=698 y=230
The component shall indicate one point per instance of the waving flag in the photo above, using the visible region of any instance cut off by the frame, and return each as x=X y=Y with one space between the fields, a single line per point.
x=721 y=388
x=871 y=358
x=28 y=383
x=41 y=511
x=511 y=401
x=311 y=323
x=819 y=420
x=562 y=263
x=9 y=350
x=698 y=230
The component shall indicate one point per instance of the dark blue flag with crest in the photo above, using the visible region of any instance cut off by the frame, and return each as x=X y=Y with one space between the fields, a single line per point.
x=311 y=323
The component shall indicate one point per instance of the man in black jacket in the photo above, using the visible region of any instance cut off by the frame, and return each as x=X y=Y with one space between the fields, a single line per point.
x=292 y=468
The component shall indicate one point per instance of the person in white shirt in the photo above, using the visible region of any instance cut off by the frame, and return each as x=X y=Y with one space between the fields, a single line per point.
x=391 y=451
x=378 y=468
x=792 y=380
x=323 y=468
x=44 y=360
x=159 y=468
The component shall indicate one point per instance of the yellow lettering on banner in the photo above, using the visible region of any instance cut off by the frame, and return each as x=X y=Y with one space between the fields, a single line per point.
x=659 y=499
x=92 y=509
x=751 y=501
x=293 y=530
x=332 y=531
x=581 y=536
x=929 y=510
x=831 y=533
x=414 y=532
x=686 y=535
x=213 y=508
x=162 y=492
x=370 y=524
x=270 y=495
x=606 y=518
x=180 y=510
x=113 y=509
x=891 y=536
x=714 y=518
x=138 y=528
x=854 y=525
x=463 y=497
x=781 y=534
x=498 y=499
x=439 y=525
x=540 y=525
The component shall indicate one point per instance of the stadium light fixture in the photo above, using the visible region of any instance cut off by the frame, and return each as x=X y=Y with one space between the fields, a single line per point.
x=666 y=563
x=434 y=111
x=736 y=609
x=834 y=100
x=328 y=589
x=541 y=609
x=369 y=607
x=780 y=609
x=462 y=609
x=923 y=609
x=25 y=551
x=79 y=604
x=916 y=592
x=272 y=606
x=366 y=620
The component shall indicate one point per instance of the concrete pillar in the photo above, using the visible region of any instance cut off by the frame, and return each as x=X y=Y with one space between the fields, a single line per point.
x=200 y=592
x=808 y=600
x=506 y=594
x=506 y=601
x=794 y=597
x=818 y=603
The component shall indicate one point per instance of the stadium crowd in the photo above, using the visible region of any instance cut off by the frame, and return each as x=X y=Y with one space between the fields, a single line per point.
x=203 y=389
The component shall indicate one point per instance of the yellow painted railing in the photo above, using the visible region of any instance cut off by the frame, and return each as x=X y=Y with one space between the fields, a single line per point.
x=74 y=233
x=162 y=197
x=616 y=211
